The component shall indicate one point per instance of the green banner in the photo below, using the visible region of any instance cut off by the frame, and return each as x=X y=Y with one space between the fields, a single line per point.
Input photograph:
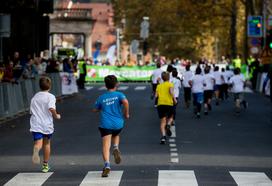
x=137 y=73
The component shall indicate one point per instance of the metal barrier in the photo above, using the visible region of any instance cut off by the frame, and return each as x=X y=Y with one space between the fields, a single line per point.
x=16 y=98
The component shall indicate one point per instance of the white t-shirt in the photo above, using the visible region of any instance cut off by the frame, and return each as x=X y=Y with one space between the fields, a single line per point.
x=198 y=82
x=187 y=76
x=229 y=74
x=177 y=86
x=237 y=82
x=156 y=75
x=218 y=77
x=209 y=81
x=41 y=119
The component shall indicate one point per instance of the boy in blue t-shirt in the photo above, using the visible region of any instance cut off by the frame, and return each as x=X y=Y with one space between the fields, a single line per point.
x=113 y=107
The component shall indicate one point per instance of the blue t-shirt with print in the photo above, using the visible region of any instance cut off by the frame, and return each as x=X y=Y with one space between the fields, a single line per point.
x=111 y=113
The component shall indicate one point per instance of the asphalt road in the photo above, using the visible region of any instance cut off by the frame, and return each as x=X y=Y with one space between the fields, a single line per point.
x=219 y=149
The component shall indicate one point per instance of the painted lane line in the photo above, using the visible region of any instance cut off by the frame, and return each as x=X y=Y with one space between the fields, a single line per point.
x=172 y=140
x=123 y=88
x=173 y=149
x=177 y=178
x=29 y=179
x=140 y=88
x=173 y=154
x=93 y=178
x=172 y=145
x=174 y=160
x=251 y=179
x=89 y=88
x=102 y=88
x=173 y=130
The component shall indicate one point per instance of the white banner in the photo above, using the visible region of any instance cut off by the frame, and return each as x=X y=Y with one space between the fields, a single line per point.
x=68 y=83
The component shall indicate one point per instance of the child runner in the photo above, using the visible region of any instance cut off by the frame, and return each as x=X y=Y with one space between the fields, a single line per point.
x=208 y=89
x=42 y=110
x=187 y=76
x=197 y=83
x=218 y=84
x=237 y=83
x=110 y=106
x=166 y=100
x=177 y=85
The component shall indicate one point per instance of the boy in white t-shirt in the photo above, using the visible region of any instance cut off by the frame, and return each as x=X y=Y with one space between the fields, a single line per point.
x=42 y=110
x=156 y=79
x=208 y=89
x=237 y=84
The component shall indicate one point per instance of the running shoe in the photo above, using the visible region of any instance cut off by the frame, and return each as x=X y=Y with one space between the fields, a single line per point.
x=105 y=172
x=198 y=115
x=117 y=156
x=168 y=130
x=163 y=140
x=35 y=156
x=45 y=168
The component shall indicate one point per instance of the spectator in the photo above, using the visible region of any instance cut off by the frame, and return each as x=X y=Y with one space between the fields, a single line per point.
x=52 y=66
x=8 y=73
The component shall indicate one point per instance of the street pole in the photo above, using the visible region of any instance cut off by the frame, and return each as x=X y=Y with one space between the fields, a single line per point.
x=118 y=44
x=1 y=50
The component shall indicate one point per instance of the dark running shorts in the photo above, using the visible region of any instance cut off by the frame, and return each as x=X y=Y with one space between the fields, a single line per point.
x=38 y=136
x=165 y=111
x=207 y=95
x=105 y=132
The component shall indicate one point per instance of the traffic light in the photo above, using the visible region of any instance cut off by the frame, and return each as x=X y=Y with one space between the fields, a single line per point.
x=255 y=26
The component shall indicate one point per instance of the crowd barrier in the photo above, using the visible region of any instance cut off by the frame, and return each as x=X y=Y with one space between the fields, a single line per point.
x=16 y=98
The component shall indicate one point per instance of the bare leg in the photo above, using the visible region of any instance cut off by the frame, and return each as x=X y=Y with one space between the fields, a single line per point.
x=106 y=143
x=116 y=140
x=36 y=149
x=163 y=125
x=46 y=150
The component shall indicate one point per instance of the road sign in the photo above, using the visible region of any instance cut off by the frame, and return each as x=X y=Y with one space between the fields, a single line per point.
x=255 y=26
x=144 y=29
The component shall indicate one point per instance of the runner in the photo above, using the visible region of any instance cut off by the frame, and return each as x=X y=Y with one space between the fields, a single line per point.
x=208 y=89
x=156 y=79
x=218 y=84
x=197 y=83
x=110 y=105
x=237 y=84
x=166 y=100
x=177 y=85
x=187 y=76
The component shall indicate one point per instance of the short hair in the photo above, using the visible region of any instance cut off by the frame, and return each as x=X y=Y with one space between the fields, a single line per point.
x=216 y=68
x=175 y=73
x=158 y=65
x=207 y=70
x=110 y=81
x=45 y=83
x=198 y=70
x=187 y=67
x=165 y=76
x=236 y=71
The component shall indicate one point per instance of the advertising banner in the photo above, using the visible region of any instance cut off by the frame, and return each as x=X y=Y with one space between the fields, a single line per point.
x=137 y=73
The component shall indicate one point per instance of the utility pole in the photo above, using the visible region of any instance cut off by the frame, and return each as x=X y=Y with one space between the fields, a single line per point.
x=118 y=44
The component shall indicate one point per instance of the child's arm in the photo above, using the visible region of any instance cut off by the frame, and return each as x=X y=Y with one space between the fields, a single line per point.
x=171 y=91
x=126 y=108
x=54 y=113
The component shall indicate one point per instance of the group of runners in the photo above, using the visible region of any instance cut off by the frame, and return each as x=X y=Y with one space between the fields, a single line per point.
x=206 y=82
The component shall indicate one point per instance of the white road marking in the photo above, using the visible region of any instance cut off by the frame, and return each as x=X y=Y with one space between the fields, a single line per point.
x=28 y=179
x=123 y=88
x=93 y=178
x=173 y=154
x=177 y=178
x=102 y=88
x=173 y=130
x=172 y=145
x=172 y=140
x=173 y=149
x=140 y=88
x=251 y=178
x=88 y=88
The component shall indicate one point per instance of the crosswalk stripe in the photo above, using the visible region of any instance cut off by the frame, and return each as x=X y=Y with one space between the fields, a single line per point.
x=177 y=178
x=28 y=179
x=93 y=178
x=123 y=88
x=140 y=88
x=102 y=88
x=251 y=179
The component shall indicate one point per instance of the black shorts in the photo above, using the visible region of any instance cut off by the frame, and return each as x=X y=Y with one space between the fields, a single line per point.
x=207 y=95
x=105 y=132
x=165 y=111
x=187 y=94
